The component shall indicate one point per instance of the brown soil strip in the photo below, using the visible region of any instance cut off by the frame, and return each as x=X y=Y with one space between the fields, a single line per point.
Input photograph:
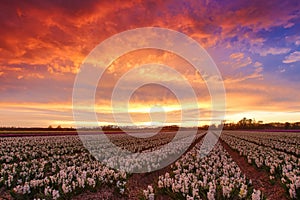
x=139 y=182
x=103 y=193
x=260 y=179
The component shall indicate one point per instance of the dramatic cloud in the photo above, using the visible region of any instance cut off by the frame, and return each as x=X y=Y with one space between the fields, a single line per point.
x=43 y=44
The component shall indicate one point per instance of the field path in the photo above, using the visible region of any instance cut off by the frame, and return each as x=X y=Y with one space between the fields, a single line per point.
x=139 y=182
x=260 y=179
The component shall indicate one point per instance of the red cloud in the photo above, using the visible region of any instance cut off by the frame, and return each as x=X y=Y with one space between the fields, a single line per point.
x=46 y=41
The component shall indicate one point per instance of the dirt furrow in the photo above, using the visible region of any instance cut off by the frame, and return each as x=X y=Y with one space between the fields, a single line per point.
x=260 y=178
x=139 y=182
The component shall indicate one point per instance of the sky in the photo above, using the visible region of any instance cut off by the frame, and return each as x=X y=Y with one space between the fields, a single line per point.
x=254 y=44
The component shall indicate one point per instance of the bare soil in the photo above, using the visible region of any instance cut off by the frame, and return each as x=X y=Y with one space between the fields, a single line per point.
x=260 y=179
x=103 y=193
x=139 y=182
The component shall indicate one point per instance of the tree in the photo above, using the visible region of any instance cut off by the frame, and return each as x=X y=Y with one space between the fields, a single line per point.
x=242 y=123
x=287 y=125
x=249 y=122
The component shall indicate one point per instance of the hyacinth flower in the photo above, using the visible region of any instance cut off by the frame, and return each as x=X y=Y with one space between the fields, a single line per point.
x=196 y=177
x=280 y=155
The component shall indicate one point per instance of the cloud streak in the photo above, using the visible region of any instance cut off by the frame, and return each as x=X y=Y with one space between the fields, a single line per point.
x=293 y=57
x=43 y=44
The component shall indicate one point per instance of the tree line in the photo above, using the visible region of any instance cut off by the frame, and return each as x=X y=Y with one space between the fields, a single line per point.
x=243 y=124
x=50 y=128
x=253 y=124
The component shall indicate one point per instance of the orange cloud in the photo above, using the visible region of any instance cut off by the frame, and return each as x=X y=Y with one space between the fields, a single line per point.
x=43 y=44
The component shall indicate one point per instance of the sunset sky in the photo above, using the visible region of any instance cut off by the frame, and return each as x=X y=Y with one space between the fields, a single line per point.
x=255 y=44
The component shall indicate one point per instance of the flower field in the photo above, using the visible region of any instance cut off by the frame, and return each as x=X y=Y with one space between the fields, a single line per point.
x=276 y=153
x=60 y=167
